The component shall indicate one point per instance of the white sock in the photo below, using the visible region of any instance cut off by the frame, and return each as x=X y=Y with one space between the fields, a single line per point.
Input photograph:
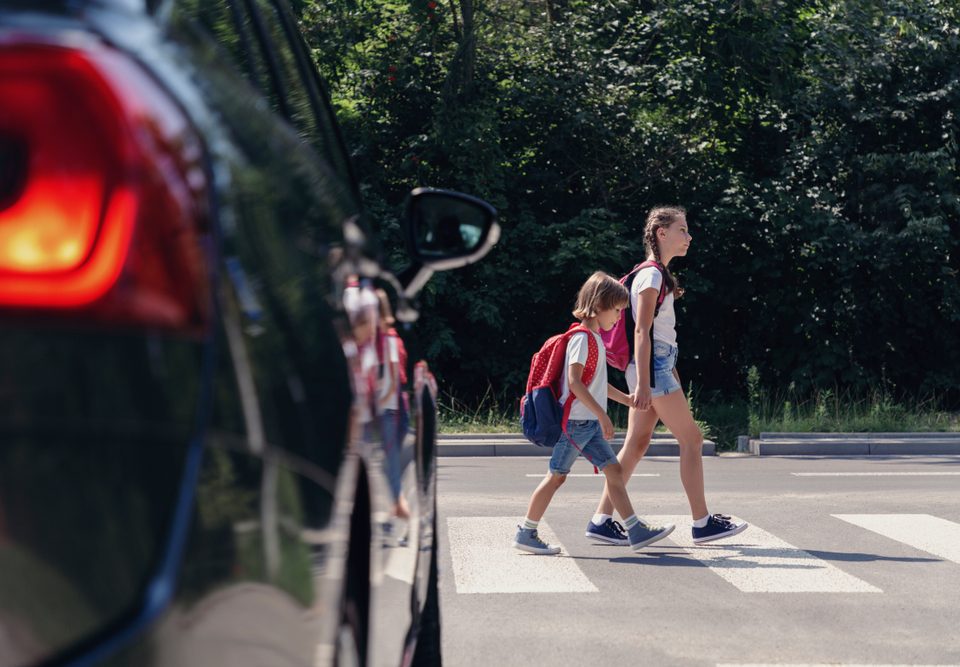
x=530 y=524
x=631 y=521
x=600 y=519
x=700 y=523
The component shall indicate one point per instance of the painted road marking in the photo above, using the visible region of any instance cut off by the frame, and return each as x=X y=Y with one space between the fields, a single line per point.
x=921 y=531
x=821 y=664
x=756 y=561
x=484 y=560
x=876 y=474
x=600 y=476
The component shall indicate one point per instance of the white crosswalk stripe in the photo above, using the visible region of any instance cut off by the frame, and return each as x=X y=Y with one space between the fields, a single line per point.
x=484 y=560
x=757 y=561
x=921 y=531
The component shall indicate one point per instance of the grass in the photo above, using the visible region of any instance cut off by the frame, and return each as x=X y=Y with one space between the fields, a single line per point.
x=834 y=412
x=722 y=419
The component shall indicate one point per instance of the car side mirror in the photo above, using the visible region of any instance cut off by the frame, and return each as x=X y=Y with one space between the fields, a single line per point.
x=445 y=230
x=448 y=229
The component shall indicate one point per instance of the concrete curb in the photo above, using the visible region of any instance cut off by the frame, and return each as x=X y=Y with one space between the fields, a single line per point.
x=855 y=444
x=512 y=444
x=940 y=435
x=768 y=444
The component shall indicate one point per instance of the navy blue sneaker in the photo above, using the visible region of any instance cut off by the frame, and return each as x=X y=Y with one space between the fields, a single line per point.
x=718 y=526
x=609 y=532
x=643 y=534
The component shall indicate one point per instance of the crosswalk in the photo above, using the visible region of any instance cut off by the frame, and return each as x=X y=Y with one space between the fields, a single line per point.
x=757 y=561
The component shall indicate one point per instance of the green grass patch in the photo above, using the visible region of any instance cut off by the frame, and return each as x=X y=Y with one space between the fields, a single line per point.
x=722 y=419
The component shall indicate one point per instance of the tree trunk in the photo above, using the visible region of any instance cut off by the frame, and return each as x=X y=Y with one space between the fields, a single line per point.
x=459 y=81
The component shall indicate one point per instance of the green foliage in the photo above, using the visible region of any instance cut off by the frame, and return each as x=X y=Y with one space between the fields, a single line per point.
x=814 y=144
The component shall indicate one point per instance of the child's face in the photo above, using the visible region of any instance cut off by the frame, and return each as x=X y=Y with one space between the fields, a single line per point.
x=675 y=239
x=607 y=318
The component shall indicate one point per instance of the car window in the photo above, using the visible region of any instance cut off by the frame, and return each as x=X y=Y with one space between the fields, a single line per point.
x=232 y=30
x=303 y=100
x=262 y=43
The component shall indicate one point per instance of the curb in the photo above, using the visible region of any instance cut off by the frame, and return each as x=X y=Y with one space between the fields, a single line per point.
x=768 y=444
x=855 y=444
x=511 y=444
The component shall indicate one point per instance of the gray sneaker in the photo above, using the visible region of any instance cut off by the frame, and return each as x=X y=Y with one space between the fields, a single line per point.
x=528 y=540
x=643 y=534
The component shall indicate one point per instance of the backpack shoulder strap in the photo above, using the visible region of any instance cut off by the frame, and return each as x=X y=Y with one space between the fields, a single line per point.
x=593 y=352
x=589 y=369
x=663 y=283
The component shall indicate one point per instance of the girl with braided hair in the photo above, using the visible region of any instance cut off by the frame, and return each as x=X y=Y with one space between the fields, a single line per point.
x=653 y=377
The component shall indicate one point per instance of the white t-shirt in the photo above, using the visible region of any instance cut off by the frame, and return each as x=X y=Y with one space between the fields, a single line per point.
x=664 y=325
x=577 y=350
x=391 y=355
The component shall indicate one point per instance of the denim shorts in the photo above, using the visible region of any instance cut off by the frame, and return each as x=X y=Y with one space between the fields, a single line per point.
x=588 y=436
x=664 y=361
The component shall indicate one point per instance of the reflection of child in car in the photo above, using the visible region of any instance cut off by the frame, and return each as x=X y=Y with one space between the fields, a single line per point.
x=391 y=401
x=362 y=306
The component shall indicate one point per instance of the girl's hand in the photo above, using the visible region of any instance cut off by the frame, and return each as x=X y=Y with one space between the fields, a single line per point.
x=607 y=427
x=632 y=399
x=644 y=399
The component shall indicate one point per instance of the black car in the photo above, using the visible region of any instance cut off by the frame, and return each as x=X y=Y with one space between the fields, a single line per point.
x=187 y=476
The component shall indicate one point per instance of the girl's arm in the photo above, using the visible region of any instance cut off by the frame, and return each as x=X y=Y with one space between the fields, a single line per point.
x=391 y=373
x=643 y=346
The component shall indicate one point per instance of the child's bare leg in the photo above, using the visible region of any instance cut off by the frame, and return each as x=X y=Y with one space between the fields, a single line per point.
x=543 y=494
x=675 y=414
x=617 y=489
x=640 y=533
x=640 y=425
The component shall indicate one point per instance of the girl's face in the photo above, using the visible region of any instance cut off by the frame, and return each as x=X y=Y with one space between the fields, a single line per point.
x=675 y=239
x=607 y=318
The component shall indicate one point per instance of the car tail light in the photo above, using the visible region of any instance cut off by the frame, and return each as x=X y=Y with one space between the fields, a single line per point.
x=103 y=211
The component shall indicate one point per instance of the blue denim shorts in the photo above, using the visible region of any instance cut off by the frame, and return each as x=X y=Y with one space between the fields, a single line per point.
x=664 y=361
x=589 y=438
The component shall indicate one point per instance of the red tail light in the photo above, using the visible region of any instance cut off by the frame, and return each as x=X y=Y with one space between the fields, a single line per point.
x=102 y=204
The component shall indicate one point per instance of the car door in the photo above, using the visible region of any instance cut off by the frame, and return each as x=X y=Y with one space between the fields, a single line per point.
x=264 y=42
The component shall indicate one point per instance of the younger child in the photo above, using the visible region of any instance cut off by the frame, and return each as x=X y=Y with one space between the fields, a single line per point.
x=589 y=428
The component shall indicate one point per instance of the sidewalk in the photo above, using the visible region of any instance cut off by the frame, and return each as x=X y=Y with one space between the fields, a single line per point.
x=768 y=444
x=514 y=444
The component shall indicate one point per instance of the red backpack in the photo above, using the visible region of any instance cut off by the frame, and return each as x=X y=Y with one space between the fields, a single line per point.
x=619 y=339
x=542 y=418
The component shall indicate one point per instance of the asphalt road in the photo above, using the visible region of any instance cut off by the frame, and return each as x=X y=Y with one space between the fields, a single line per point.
x=847 y=561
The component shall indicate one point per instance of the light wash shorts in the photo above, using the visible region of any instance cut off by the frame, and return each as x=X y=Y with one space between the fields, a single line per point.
x=588 y=436
x=664 y=361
